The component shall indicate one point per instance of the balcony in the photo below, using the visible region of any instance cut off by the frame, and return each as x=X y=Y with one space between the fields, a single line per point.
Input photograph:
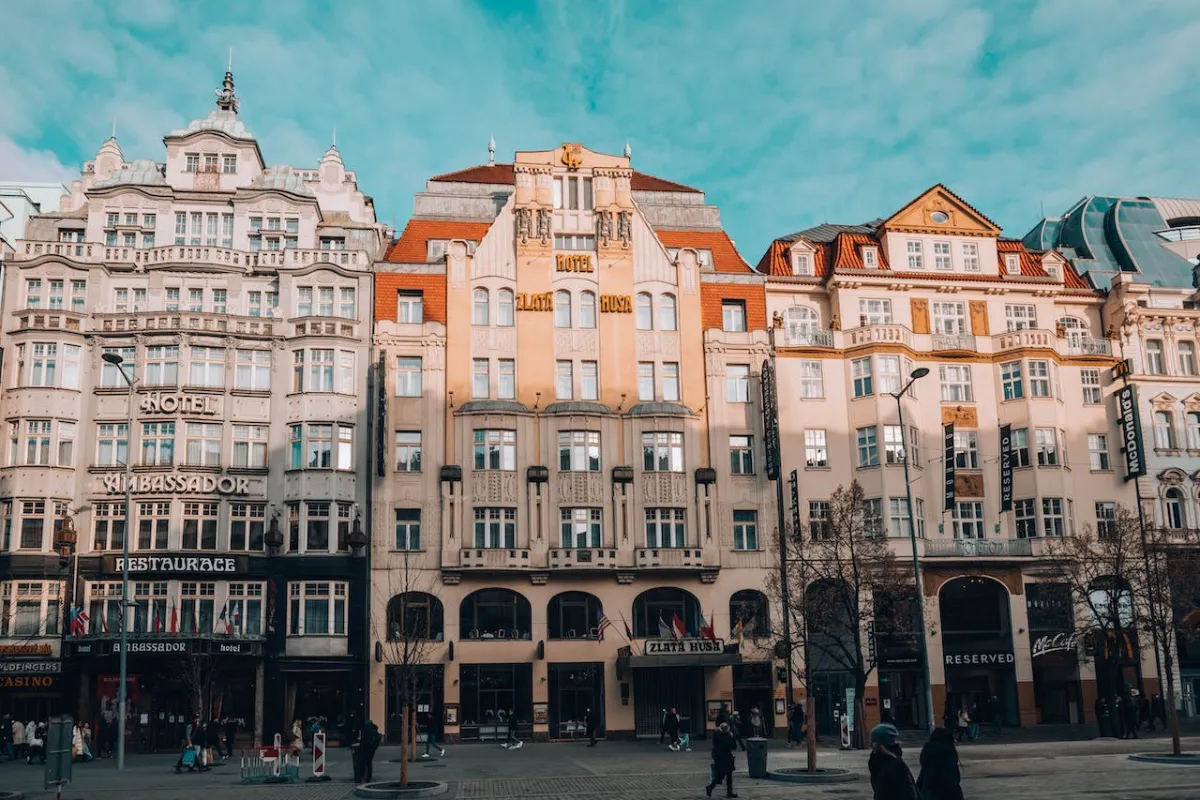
x=184 y=321
x=1087 y=346
x=978 y=548
x=954 y=341
x=582 y=558
x=493 y=558
x=89 y=253
x=797 y=336
x=1018 y=340
x=43 y=319
x=870 y=334
x=669 y=558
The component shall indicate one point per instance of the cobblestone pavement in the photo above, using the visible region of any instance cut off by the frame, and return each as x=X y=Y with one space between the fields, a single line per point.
x=643 y=771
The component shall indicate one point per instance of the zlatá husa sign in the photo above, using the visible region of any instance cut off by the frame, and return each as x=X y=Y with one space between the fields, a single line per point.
x=174 y=483
x=682 y=647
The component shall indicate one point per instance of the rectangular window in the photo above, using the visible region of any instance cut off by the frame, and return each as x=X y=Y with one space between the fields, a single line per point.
x=345 y=447
x=1164 y=430
x=956 y=383
x=872 y=311
x=207 y=367
x=347 y=303
x=665 y=528
x=662 y=451
x=968 y=520
x=253 y=370
x=580 y=527
x=55 y=301
x=564 y=380
x=110 y=374
x=37 y=442
x=78 y=296
x=495 y=528
x=941 y=256
x=108 y=526
x=408 y=376
x=812 y=384
x=197 y=228
x=66 y=444
x=324 y=301
x=816 y=452
x=229 y=164
x=162 y=365
x=670 y=382
x=199 y=526
x=1046 y=441
x=868 y=447
x=192 y=165
x=916 y=258
x=1192 y=420
x=1053 y=523
x=870 y=257
x=158 y=444
x=897 y=516
x=819 y=528
x=970 y=256
x=408 y=451
x=733 y=315
x=893 y=444
x=112 y=441
x=172 y=303
x=1020 y=447
x=317 y=608
x=203 y=442
x=949 y=318
x=410 y=307
x=1187 y=356
x=872 y=511
x=1098 y=451
x=408 y=528
x=246 y=524
x=1010 y=379
x=304 y=301
x=646 y=381
x=889 y=374
x=1106 y=519
x=154 y=521
x=589 y=381
x=506 y=379
x=33 y=523
x=316 y=529
x=1026 y=518
x=737 y=383
x=579 y=451
x=481 y=380
x=1020 y=317
x=245 y=608
x=33 y=293
x=319 y=376
x=1154 y=357
x=966 y=449
x=745 y=530
x=318 y=446
x=250 y=446
x=495 y=450
x=741 y=455
x=227 y=230
x=44 y=368
x=1039 y=379
x=860 y=371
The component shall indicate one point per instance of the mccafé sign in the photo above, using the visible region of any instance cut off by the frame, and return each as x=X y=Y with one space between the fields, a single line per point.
x=1054 y=643
x=176 y=483
x=166 y=403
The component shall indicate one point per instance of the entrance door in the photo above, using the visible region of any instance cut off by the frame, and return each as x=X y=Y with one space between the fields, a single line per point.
x=426 y=697
x=752 y=688
x=829 y=696
x=902 y=697
x=574 y=688
x=656 y=688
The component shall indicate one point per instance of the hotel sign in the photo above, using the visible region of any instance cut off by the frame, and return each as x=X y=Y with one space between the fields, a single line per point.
x=616 y=303
x=167 y=403
x=573 y=262
x=1131 y=432
x=535 y=302
x=176 y=483
x=211 y=565
x=683 y=647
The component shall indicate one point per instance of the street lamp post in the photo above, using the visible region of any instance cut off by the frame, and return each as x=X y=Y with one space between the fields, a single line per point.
x=919 y=372
x=123 y=689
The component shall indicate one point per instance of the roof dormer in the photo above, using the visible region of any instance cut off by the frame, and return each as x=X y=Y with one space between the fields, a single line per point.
x=803 y=258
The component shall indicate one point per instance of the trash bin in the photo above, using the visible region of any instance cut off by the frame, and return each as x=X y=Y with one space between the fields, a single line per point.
x=756 y=757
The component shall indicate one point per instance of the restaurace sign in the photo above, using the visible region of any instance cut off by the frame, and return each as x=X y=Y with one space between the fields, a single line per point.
x=683 y=647
x=174 y=483
x=223 y=565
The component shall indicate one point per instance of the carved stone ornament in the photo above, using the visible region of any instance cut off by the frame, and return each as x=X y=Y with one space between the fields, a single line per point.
x=543 y=225
x=604 y=227
x=625 y=228
x=524 y=225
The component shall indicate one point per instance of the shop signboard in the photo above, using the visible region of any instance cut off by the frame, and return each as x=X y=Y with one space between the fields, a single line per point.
x=979 y=659
x=681 y=647
x=1049 y=643
x=46 y=667
x=205 y=565
x=1130 y=424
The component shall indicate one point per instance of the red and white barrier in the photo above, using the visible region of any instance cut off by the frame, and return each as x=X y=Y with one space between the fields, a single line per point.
x=319 y=755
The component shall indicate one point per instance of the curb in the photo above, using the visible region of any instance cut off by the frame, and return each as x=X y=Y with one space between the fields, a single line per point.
x=801 y=775
x=1185 y=760
x=391 y=790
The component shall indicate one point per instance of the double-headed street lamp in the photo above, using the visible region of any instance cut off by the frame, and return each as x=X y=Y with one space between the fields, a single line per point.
x=918 y=373
x=123 y=690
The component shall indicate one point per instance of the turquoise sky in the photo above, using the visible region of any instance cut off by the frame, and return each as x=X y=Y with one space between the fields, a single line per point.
x=786 y=112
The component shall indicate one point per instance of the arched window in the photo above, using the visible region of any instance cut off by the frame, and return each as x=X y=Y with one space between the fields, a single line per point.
x=667 y=320
x=562 y=309
x=479 y=307
x=1164 y=430
x=800 y=323
x=415 y=615
x=1174 y=516
x=645 y=313
x=749 y=607
x=494 y=614
x=573 y=615
x=1076 y=330
x=587 y=310
x=662 y=605
x=504 y=307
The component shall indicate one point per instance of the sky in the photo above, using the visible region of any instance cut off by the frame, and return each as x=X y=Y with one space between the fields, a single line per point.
x=787 y=113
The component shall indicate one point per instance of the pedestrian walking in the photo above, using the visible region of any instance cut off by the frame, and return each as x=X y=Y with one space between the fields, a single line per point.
x=941 y=778
x=1103 y=717
x=890 y=777
x=1158 y=709
x=671 y=726
x=200 y=743
x=757 y=728
x=723 y=748
x=592 y=720
x=993 y=712
x=662 y=726
x=722 y=716
x=1130 y=707
x=35 y=742
x=212 y=735
x=1144 y=711
x=512 y=742
x=736 y=728
x=18 y=738
x=368 y=743
x=949 y=717
x=6 y=737
x=230 y=734
x=297 y=738
x=963 y=725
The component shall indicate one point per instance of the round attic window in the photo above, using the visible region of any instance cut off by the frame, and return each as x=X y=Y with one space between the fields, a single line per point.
x=940 y=217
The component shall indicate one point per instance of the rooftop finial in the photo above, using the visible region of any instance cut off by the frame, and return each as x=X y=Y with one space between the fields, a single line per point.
x=229 y=63
x=492 y=151
x=226 y=99
x=114 y=132
x=334 y=136
x=628 y=150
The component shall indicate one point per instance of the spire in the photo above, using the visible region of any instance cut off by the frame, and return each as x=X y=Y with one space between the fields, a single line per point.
x=491 y=151
x=226 y=99
x=333 y=142
x=628 y=150
x=114 y=131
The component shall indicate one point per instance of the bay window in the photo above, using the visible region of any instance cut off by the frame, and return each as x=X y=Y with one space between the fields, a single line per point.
x=31 y=609
x=662 y=451
x=495 y=528
x=495 y=450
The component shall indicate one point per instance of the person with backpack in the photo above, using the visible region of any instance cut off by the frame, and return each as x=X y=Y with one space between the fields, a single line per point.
x=723 y=748
x=890 y=776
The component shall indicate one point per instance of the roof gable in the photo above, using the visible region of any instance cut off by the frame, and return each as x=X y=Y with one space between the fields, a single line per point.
x=922 y=214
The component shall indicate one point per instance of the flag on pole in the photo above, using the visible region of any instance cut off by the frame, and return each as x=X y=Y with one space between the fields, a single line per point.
x=605 y=623
x=121 y=615
x=157 y=621
x=237 y=618
x=624 y=624
x=738 y=630
x=225 y=622
x=79 y=621
x=104 y=620
x=664 y=630
x=174 y=619
x=677 y=625
x=708 y=631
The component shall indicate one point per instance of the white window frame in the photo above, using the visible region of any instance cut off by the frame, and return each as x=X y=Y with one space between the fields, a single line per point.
x=968 y=519
x=1020 y=316
x=303 y=593
x=816 y=448
x=1098 y=454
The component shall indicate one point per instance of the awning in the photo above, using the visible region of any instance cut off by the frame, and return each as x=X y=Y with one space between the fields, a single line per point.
x=687 y=660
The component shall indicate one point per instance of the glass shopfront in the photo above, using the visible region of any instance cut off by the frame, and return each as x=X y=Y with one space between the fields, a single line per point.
x=575 y=688
x=977 y=648
x=489 y=693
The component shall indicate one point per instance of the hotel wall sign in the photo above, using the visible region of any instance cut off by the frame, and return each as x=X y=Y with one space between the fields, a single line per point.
x=164 y=403
x=573 y=262
x=26 y=650
x=175 y=483
x=616 y=303
x=31 y=667
x=535 y=302
x=683 y=647
x=212 y=565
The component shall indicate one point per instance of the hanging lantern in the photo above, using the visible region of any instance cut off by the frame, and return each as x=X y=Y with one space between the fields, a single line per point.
x=274 y=537
x=357 y=539
x=65 y=537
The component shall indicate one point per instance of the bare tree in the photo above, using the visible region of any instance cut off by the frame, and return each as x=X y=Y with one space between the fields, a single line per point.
x=837 y=570
x=412 y=623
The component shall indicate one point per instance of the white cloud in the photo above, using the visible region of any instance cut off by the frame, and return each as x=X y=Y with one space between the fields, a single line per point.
x=28 y=165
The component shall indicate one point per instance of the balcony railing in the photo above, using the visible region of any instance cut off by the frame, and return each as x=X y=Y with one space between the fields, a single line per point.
x=879 y=333
x=669 y=558
x=1087 y=346
x=953 y=341
x=90 y=253
x=806 y=337
x=1016 y=340
x=582 y=558
x=977 y=548
x=493 y=558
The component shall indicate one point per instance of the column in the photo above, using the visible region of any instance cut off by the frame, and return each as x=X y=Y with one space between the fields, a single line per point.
x=1022 y=660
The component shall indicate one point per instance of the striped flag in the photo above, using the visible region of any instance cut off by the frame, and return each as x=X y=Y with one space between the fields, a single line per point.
x=739 y=630
x=225 y=622
x=679 y=629
x=174 y=619
x=605 y=623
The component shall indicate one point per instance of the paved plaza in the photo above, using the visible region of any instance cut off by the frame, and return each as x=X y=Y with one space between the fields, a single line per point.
x=644 y=771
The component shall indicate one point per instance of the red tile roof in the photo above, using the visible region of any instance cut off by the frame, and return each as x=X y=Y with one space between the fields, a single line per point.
x=847 y=251
x=726 y=258
x=1071 y=278
x=1031 y=267
x=412 y=246
x=503 y=174
x=777 y=261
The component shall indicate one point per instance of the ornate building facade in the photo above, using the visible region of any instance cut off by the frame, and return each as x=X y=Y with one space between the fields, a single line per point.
x=236 y=297
x=573 y=466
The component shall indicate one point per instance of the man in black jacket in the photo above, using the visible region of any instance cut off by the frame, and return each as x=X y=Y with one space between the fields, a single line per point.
x=890 y=776
x=230 y=734
x=723 y=748
x=671 y=726
x=592 y=720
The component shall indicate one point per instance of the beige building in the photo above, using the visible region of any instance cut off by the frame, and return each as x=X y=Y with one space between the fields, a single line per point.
x=569 y=348
x=1014 y=342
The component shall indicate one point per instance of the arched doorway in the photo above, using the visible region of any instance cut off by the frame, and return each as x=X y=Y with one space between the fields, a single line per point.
x=675 y=681
x=490 y=692
x=977 y=649
x=753 y=682
x=575 y=686
x=414 y=621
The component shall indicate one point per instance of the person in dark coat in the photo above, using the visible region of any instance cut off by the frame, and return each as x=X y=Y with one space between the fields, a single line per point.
x=1158 y=710
x=230 y=734
x=940 y=777
x=796 y=724
x=736 y=729
x=212 y=733
x=671 y=726
x=1117 y=704
x=890 y=776
x=368 y=742
x=200 y=742
x=662 y=726
x=1102 y=717
x=1130 y=706
x=592 y=720
x=723 y=748
x=722 y=716
x=950 y=717
x=1144 y=711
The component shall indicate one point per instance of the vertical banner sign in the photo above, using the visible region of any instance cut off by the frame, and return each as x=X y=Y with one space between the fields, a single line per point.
x=1006 y=468
x=1131 y=432
x=794 y=484
x=381 y=427
x=948 y=465
x=770 y=410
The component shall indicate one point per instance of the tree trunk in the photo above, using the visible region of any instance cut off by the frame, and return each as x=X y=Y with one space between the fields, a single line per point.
x=404 y=745
x=810 y=706
x=1172 y=714
x=411 y=755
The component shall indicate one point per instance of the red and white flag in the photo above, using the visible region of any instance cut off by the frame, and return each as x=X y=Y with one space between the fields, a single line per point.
x=174 y=620
x=708 y=631
x=605 y=623
x=677 y=627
